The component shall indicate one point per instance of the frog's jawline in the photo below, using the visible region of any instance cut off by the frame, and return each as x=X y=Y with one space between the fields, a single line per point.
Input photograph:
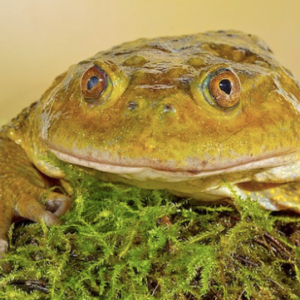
x=145 y=172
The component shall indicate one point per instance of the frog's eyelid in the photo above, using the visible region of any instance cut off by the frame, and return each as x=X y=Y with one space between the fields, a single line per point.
x=86 y=61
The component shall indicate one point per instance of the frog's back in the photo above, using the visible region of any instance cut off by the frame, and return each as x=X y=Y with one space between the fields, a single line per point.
x=231 y=45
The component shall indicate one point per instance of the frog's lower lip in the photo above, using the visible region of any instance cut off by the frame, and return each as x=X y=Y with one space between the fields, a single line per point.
x=145 y=172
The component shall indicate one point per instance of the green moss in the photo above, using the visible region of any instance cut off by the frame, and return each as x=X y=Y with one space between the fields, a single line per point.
x=121 y=242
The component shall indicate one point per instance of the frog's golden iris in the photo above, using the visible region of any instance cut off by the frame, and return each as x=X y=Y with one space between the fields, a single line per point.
x=225 y=88
x=93 y=83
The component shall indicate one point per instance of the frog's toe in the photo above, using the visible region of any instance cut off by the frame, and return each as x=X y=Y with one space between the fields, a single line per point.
x=58 y=204
x=30 y=208
x=29 y=203
x=3 y=246
x=6 y=216
x=6 y=267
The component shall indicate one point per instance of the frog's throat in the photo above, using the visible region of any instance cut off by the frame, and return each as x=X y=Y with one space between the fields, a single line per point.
x=147 y=172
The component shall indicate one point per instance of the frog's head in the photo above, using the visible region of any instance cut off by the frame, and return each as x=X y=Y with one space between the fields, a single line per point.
x=185 y=106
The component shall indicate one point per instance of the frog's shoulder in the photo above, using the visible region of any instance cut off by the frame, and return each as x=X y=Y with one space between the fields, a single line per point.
x=17 y=122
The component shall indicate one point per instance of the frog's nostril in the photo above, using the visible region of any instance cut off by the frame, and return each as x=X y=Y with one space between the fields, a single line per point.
x=169 y=108
x=132 y=105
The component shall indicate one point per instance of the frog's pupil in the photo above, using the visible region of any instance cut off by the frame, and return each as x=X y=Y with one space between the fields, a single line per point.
x=93 y=81
x=225 y=86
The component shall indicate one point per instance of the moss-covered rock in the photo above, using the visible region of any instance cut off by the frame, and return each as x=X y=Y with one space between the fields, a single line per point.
x=121 y=242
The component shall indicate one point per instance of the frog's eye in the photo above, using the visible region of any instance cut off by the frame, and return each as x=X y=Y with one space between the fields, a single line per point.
x=225 y=88
x=93 y=83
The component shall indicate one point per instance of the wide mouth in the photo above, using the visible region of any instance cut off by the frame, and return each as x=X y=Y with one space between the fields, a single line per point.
x=149 y=172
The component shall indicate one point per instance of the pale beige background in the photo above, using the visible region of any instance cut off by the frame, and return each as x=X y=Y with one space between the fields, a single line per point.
x=39 y=39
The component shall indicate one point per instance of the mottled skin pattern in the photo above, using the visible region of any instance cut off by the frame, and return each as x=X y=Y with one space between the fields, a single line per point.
x=158 y=122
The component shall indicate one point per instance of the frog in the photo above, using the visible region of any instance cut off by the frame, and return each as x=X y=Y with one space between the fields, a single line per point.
x=205 y=116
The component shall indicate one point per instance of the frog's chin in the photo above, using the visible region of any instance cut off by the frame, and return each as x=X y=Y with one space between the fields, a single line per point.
x=173 y=175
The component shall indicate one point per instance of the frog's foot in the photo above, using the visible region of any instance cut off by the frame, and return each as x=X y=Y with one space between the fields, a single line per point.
x=24 y=201
x=23 y=192
x=31 y=207
x=5 y=221
x=275 y=197
x=6 y=215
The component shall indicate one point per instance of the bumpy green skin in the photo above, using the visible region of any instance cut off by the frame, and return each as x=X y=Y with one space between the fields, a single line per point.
x=157 y=126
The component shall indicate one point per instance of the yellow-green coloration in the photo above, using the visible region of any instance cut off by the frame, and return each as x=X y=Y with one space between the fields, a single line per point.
x=158 y=123
x=129 y=243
